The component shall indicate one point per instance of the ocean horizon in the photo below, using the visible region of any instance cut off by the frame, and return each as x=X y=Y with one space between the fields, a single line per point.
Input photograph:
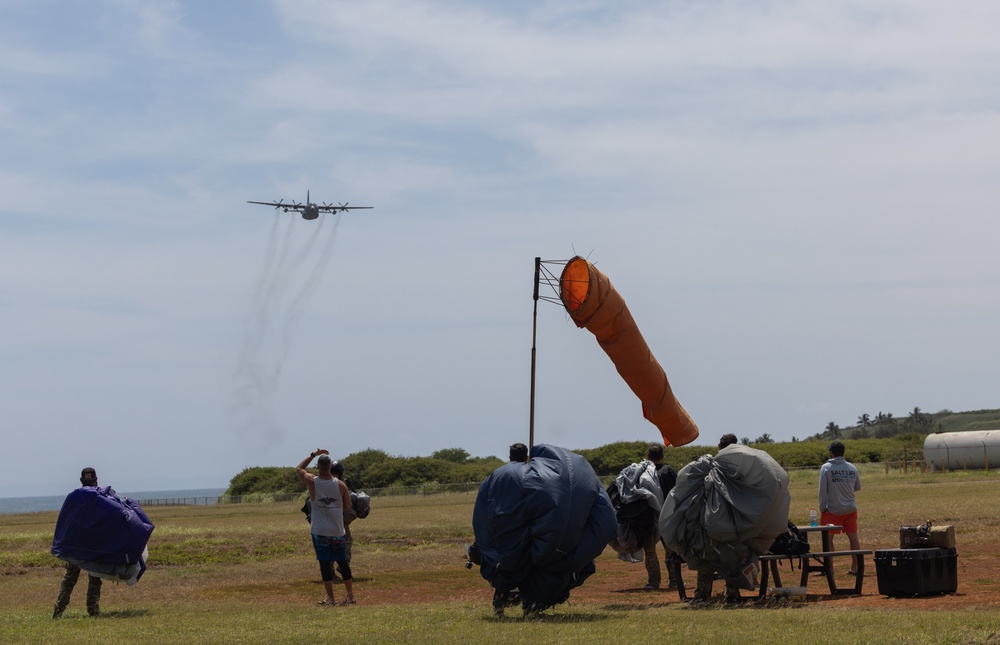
x=42 y=503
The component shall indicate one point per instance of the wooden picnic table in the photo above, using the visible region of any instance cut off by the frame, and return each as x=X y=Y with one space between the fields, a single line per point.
x=812 y=562
x=817 y=562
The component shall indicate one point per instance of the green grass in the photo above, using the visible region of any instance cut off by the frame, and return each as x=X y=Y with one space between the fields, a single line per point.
x=228 y=622
x=246 y=574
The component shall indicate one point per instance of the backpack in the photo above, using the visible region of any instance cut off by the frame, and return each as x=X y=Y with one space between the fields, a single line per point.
x=361 y=504
x=791 y=542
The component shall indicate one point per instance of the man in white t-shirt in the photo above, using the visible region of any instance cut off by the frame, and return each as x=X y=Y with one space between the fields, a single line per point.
x=330 y=497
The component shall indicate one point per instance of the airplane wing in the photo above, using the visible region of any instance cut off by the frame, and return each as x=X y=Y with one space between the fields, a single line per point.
x=287 y=207
x=333 y=208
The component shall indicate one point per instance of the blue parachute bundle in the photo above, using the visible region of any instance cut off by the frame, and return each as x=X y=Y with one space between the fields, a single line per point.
x=539 y=525
x=102 y=533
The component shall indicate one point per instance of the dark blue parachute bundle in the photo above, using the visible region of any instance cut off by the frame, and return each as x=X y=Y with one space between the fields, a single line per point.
x=98 y=530
x=539 y=525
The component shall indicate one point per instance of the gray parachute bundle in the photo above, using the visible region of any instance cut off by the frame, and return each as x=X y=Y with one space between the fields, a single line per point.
x=726 y=510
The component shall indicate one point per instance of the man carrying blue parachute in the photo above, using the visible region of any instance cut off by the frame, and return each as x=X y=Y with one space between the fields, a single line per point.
x=539 y=525
x=103 y=534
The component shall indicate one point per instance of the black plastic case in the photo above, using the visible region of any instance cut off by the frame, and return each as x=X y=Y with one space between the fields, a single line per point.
x=916 y=572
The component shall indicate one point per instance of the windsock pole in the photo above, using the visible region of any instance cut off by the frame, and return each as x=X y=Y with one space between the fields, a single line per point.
x=534 y=336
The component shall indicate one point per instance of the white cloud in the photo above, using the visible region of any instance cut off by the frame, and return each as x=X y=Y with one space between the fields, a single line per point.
x=796 y=199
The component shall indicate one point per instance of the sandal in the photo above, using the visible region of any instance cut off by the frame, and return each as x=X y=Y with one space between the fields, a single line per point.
x=327 y=602
x=349 y=601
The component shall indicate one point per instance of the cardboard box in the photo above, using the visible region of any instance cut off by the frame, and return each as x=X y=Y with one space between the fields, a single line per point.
x=943 y=537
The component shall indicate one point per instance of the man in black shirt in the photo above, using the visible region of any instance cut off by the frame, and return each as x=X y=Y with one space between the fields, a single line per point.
x=667 y=478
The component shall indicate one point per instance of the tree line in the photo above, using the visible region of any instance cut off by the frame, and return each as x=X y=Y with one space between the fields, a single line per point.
x=372 y=468
x=884 y=425
x=875 y=438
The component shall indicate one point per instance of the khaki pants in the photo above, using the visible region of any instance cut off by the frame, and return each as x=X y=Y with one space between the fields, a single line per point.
x=653 y=564
x=651 y=561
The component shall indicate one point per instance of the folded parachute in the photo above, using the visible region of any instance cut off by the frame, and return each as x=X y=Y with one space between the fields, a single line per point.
x=103 y=534
x=539 y=525
x=637 y=498
x=726 y=510
x=593 y=303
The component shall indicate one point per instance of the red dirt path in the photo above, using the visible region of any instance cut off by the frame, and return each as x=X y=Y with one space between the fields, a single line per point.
x=619 y=584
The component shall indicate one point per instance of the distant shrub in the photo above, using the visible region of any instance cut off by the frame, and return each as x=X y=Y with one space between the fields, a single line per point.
x=609 y=460
x=365 y=470
x=265 y=479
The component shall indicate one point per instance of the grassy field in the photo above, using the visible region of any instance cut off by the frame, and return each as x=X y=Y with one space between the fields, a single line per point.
x=246 y=573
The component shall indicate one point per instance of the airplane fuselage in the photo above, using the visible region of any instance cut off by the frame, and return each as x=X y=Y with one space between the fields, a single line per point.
x=309 y=211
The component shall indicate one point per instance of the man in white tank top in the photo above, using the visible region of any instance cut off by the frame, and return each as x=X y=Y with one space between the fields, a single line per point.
x=330 y=497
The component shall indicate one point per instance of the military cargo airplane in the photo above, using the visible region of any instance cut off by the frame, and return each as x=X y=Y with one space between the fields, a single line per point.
x=309 y=209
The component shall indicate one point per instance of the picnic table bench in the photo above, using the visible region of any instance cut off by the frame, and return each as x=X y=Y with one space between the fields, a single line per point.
x=822 y=562
x=819 y=561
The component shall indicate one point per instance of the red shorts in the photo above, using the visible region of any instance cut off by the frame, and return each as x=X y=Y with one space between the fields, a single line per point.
x=849 y=521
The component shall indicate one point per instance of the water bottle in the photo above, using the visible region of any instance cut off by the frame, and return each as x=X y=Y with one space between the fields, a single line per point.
x=813 y=519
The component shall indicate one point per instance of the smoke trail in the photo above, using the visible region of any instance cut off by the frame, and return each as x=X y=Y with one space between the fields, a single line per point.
x=298 y=301
x=288 y=276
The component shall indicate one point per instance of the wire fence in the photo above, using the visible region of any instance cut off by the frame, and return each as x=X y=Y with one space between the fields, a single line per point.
x=263 y=498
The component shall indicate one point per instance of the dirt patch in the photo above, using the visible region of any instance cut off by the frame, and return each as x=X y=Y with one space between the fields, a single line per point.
x=618 y=585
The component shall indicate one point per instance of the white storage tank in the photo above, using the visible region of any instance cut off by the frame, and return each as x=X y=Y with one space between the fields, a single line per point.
x=954 y=450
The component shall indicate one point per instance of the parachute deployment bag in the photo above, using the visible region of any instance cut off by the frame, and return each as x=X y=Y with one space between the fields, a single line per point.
x=361 y=503
x=791 y=543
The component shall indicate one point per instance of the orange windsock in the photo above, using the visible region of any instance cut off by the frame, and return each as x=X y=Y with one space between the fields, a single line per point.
x=593 y=303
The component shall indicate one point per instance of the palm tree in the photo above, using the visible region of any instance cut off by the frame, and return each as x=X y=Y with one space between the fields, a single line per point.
x=917 y=421
x=832 y=431
x=887 y=425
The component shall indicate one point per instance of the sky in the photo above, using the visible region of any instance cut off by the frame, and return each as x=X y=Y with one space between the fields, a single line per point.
x=797 y=201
